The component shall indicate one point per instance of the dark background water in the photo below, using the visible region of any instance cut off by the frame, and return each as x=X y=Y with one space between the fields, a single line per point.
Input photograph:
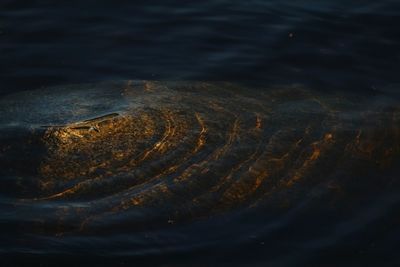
x=351 y=45
x=329 y=45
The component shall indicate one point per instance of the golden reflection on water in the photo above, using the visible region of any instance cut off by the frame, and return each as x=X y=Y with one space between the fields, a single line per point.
x=197 y=149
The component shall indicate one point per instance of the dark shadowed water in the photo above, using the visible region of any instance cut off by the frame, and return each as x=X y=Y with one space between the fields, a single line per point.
x=120 y=145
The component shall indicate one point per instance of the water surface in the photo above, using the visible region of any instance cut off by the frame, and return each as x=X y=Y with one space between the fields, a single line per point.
x=292 y=160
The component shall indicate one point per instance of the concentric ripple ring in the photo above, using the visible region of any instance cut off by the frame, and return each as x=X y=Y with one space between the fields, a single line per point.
x=150 y=151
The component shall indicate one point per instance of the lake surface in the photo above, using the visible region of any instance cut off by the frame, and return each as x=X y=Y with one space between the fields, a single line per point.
x=247 y=77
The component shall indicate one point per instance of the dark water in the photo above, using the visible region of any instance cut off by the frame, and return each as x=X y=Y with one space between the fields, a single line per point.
x=335 y=49
x=347 y=44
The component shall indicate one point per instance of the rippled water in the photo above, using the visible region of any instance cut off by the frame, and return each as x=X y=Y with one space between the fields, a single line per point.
x=292 y=160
